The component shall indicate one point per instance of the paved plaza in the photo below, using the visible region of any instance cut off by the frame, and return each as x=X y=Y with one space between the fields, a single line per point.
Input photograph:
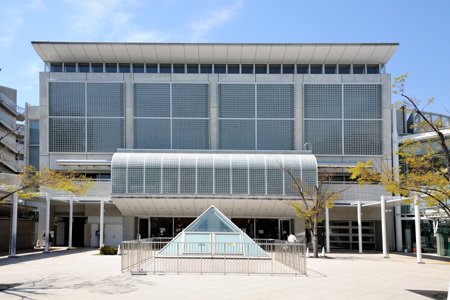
x=82 y=274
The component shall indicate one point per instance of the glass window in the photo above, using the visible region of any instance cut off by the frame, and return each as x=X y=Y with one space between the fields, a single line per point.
x=165 y=68
x=358 y=69
x=34 y=156
x=261 y=69
x=288 y=69
x=330 y=69
x=344 y=69
x=138 y=68
x=97 y=68
x=316 y=69
x=56 y=67
x=373 y=69
x=152 y=68
x=274 y=69
x=233 y=69
x=220 y=69
x=83 y=67
x=70 y=67
x=302 y=69
x=111 y=68
x=206 y=69
x=34 y=132
x=124 y=68
x=178 y=68
x=247 y=69
x=192 y=69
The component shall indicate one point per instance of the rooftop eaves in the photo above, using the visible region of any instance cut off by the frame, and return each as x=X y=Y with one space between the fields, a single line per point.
x=302 y=53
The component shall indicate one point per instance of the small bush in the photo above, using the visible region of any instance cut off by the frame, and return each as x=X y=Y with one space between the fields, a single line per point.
x=108 y=250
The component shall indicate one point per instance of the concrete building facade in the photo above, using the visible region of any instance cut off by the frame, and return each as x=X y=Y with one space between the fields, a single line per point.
x=220 y=121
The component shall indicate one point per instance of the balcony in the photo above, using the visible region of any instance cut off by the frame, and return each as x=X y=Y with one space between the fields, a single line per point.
x=12 y=106
x=100 y=189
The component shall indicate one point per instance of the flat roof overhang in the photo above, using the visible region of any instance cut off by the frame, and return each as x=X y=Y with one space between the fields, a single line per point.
x=264 y=53
x=193 y=207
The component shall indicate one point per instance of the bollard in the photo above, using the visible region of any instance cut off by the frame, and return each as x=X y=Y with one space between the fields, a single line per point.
x=307 y=252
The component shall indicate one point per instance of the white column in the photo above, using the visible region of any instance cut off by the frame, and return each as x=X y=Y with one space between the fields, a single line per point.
x=396 y=170
x=102 y=212
x=417 y=223
x=327 y=229
x=398 y=228
x=47 y=223
x=13 y=242
x=359 y=228
x=383 y=227
x=70 y=221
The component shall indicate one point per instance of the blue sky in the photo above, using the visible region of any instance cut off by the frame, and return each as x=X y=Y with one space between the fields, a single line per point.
x=421 y=27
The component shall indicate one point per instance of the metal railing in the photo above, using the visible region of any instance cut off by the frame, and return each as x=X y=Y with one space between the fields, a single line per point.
x=11 y=104
x=148 y=257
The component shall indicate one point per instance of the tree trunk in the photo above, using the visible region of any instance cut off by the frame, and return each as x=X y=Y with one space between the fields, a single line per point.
x=314 y=238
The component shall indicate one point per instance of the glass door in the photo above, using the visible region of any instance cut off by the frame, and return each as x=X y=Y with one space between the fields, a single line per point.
x=285 y=229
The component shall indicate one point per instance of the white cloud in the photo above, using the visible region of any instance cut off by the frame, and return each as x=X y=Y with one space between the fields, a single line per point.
x=36 y=5
x=110 y=20
x=214 y=19
x=145 y=36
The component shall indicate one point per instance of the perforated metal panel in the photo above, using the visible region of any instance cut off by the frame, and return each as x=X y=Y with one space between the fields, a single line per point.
x=275 y=100
x=190 y=134
x=152 y=174
x=222 y=175
x=66 y=99
x=205 y=174
x=105 y=99
x=275 y=173
x=152 y=133
x=275 y=134
x=239 y=173
x=292 y=166
x=323 y=100
x=85 y=101
x=325 y=136
x=257 y=169
x=105 y=134
x=363 y=137
x=67 y=135
x=274 y=118
x=362 y=101
x=152 y=100
x=236 y=100
x=135 y=174
x=170 y=174
x=189 y=100
x=187 y=174
x=237 y=134
x=119 y=174
x=208 y=173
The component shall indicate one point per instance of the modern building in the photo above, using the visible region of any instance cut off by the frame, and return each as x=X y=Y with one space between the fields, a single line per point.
x=169 y=129
x=11 y=132
x=435 y=223
x=11 y=163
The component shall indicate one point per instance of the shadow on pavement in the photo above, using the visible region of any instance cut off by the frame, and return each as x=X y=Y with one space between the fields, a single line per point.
x=24 y=257
x=425 y=256
x=436 y=295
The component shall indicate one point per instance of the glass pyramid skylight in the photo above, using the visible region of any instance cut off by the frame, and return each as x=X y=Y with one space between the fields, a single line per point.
x=212 y=234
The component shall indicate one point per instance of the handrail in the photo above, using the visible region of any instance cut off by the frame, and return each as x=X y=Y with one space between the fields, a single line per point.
x=11 y=104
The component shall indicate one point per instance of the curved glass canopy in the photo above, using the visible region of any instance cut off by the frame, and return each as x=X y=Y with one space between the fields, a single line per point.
x=211 y=173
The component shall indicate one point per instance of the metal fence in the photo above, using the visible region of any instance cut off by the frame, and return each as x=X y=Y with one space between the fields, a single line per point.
x=280 y=258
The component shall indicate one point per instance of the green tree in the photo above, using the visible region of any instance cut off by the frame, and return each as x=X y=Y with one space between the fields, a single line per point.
x=31 y=181
x=313 y=201
x=425 y=164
